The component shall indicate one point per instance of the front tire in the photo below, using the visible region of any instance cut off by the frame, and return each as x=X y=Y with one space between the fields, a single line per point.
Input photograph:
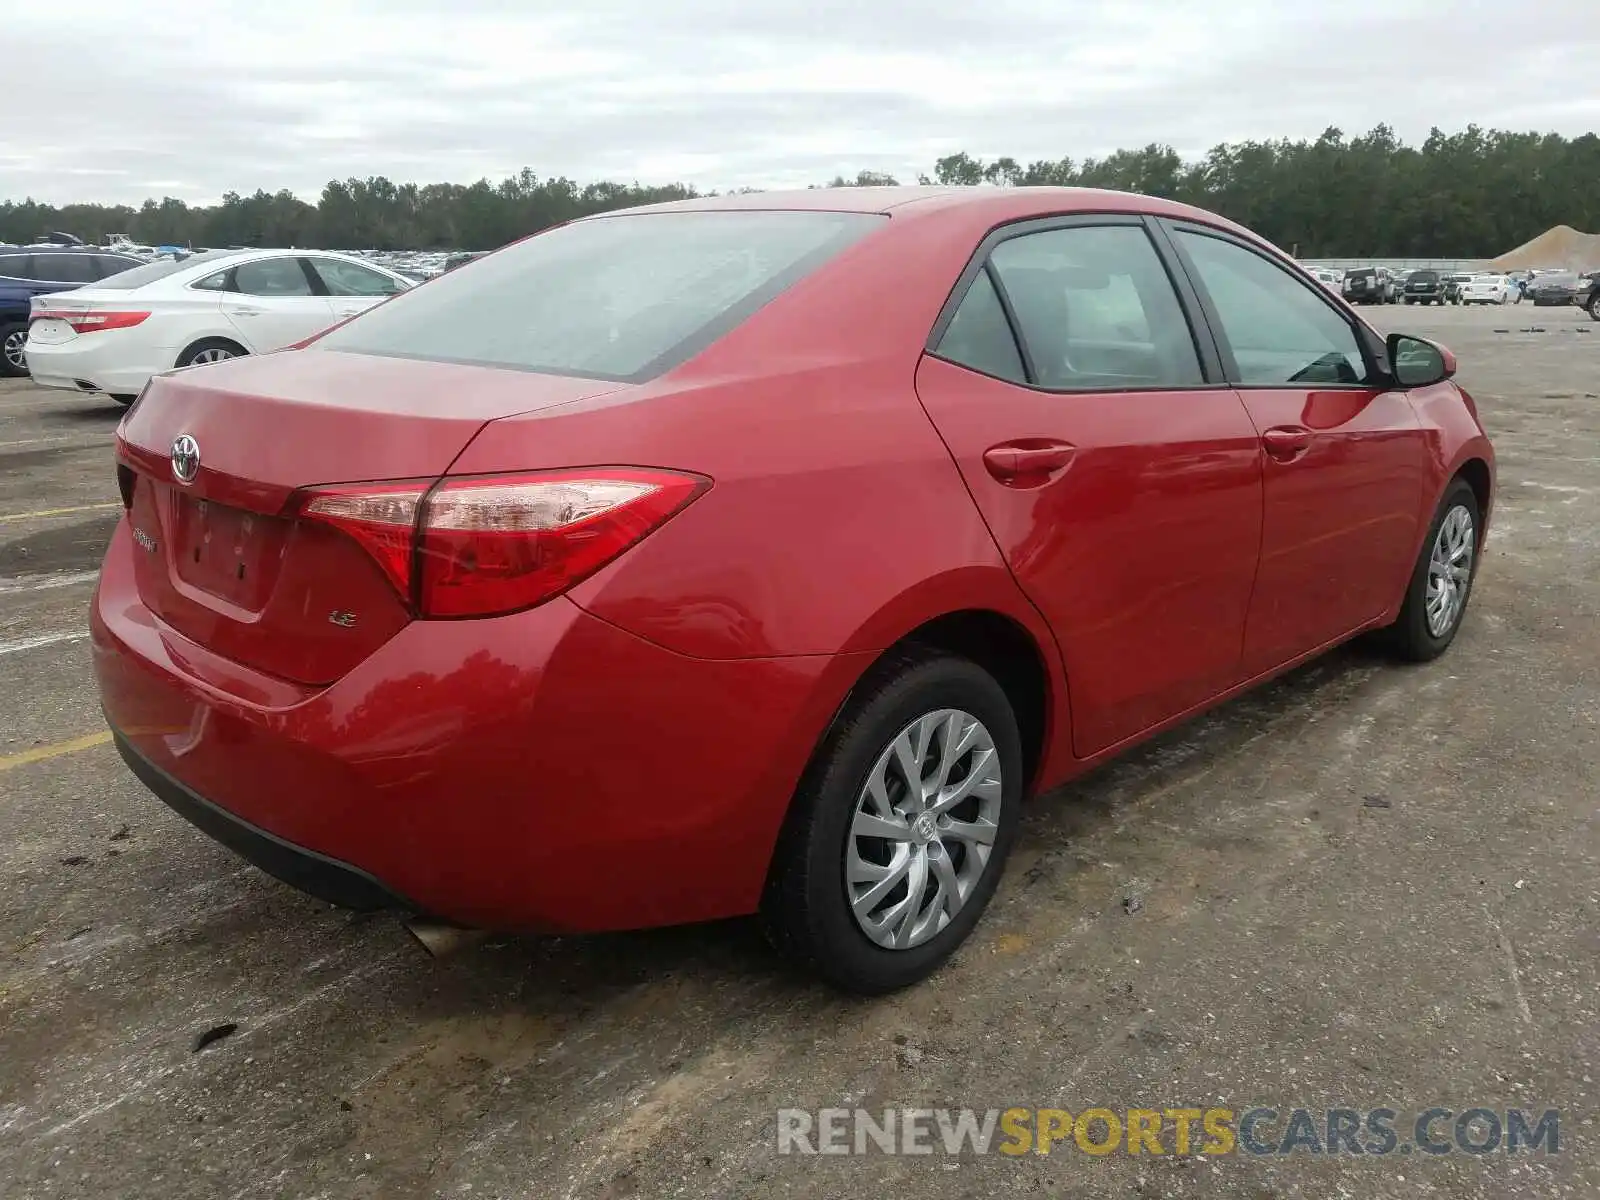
x=1441 y=582
x=901 y=826
x=12 y=363
x=1594 y=307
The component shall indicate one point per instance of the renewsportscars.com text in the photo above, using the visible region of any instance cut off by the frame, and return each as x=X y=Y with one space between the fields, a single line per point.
x=1261 y=1130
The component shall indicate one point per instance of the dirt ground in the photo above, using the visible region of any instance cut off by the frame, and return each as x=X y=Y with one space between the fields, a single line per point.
x=1366 y=886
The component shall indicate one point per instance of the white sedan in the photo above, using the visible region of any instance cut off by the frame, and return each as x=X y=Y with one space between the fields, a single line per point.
x=1490 y=289
x=113 y=336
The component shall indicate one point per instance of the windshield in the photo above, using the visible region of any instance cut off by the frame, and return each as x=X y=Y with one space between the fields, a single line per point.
x=621 y=298
x=139 y=276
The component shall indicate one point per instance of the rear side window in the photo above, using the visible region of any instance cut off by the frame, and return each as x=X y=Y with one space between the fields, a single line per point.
x=621 y=298
x=271 y=277
x=64 y=268
x=1096 y=310
x=107 y=265
x=137 y=277
x=979 y=336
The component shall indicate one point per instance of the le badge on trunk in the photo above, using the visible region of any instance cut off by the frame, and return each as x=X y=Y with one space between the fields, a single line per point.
x=185 y=458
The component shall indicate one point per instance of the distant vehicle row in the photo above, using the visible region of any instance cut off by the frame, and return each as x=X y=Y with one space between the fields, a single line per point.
x=113 y=335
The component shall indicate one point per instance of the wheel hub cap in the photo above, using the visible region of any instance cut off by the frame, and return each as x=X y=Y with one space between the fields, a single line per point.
x=923 y=828
x=13 y=348
x=1449 y=570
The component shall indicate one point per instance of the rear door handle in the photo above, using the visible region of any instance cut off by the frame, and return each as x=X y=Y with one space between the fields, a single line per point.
x=1028 y=462
x=1286 y=442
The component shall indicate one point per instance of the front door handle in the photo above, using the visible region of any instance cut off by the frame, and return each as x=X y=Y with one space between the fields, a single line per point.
x=246 y=312
x=1028 y=462
x=1286 y=442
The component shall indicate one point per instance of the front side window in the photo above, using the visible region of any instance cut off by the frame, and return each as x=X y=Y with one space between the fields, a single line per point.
x=64 y=268
x=16 y=266
x=1280 y=331
x=349 y=279
x=271 y=277
x=1096 y=309
x=620 y=298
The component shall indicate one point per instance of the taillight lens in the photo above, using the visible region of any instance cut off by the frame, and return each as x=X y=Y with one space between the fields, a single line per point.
x=477 y=546
x=85 y=320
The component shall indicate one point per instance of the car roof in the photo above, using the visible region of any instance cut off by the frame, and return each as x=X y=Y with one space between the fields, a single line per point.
x=996 y=204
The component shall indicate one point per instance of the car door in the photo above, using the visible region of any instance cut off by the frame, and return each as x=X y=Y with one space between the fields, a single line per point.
x=1342 y=453
x=351 y=287
x=1119 y=476
x=275 y=302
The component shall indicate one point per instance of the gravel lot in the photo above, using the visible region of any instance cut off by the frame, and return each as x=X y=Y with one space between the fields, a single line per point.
x=1365 y=886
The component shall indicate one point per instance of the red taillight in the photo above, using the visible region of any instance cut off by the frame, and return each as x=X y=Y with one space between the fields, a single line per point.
x=89 y=320
x=476 y=546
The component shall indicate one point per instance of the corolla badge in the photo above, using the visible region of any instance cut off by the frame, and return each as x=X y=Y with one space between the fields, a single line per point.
x=185 y=458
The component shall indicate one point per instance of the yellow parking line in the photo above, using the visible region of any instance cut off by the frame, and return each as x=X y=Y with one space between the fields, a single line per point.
x=40 y=753
x=56 y=512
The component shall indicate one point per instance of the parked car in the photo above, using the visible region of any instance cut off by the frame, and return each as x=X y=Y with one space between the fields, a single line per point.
x=29 y=271
x=1329 y=277
x=1588 y=294
x=1453 y=283
x=1490 y=289
x=1554 y=287
x=1368 y=285
x=114 y=336
x=1424 y=287
x=735 y=554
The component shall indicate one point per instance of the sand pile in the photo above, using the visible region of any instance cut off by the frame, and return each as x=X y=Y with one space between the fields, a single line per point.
x=1562 y=246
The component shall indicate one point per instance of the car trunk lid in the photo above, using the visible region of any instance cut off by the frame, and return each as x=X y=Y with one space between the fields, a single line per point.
x=223 y=558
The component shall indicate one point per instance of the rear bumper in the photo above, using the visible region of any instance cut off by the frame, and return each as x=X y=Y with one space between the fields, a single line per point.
x=105 y=361
x=544 y=771
x=316 y=874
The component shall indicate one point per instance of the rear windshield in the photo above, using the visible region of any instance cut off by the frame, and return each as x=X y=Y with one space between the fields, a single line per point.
x=620 y=298
x=137 y=277
x=1423 y=277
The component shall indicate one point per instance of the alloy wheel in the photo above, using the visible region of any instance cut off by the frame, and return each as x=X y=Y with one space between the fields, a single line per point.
x=1449 y=570
x=924 y=828
x=12 y=349
x=211 y=354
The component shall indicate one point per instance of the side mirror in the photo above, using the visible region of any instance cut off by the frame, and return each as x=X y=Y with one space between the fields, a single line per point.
x=1417 y=362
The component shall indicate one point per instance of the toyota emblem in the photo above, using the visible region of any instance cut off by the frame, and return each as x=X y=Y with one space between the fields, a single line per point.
x=185 y=458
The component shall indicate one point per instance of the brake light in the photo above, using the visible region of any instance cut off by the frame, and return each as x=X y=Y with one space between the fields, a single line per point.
x=477 y=546
x=85 y=320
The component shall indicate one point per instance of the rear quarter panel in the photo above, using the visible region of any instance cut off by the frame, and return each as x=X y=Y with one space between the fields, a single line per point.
x=837 y=520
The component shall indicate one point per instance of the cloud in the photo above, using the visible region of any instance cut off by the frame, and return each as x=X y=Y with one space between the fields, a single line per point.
x=190 y=99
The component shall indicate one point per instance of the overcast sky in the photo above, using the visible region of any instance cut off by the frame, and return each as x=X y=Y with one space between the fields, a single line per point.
x=121 y=101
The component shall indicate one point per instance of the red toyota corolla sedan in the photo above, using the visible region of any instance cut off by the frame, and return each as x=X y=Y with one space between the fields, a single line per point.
x=761 y=554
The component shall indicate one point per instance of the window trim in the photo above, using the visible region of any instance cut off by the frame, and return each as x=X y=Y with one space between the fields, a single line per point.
x=1374 y=357
x=1211 y=367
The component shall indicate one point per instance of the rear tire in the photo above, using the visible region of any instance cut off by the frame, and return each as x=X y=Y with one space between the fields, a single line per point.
x=12 y=363
x=819 y=902
x=123 y=398
x=208 y=350
x=1594 y=306
x=1436 y=598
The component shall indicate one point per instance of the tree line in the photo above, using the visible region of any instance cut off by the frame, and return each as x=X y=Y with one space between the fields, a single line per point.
x=1476 y=193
